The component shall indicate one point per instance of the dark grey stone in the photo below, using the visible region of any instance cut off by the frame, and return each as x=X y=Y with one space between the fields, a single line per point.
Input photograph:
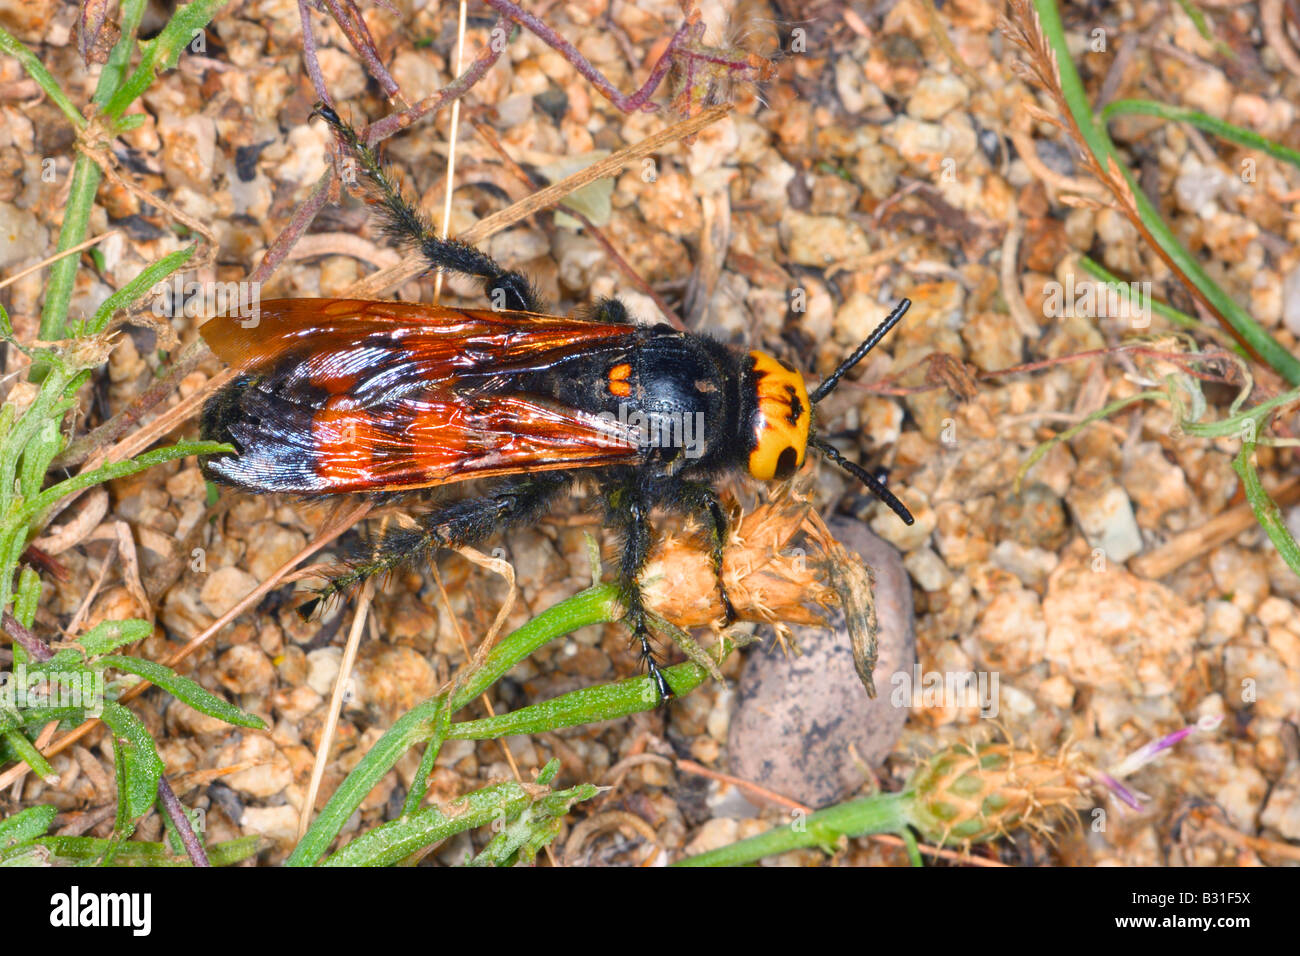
x=800 y=719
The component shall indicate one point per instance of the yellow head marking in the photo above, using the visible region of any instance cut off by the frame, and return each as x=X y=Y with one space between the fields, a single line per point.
x=782 y=420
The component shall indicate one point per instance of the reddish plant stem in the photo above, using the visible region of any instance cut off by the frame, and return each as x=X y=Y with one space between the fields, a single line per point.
x=172 y=805
x=358 y=34
x=309 y=55
x=491 y=52
x=628 y=104
x=41 y=561
x=298 y=225
x=31 y=643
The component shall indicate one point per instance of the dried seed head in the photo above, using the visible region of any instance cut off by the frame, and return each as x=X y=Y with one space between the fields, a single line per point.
x=767 y=577
x=705 y=75
x=968 y=793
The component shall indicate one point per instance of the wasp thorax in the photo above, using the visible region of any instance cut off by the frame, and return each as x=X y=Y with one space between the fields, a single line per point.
x=782 y=416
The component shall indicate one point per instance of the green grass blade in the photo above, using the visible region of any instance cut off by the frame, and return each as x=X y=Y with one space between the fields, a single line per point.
x=501 y=804
x=417 y=724
x=183 y=689
x=584 y=706
x=596 y=605
x=11 y=45
x=29 y=755
x=881 y=813
x=26 y=825
x=520 y=841
x=139 y=764
x=108 y=636
x=1204 y=121
x=121 y=469
x=1176 y=316
x=1266 y=510
x=163 y=52
x=1105 y=412
x=79 y=850
x=427 y=720
x=63 y=272
x=149 y=277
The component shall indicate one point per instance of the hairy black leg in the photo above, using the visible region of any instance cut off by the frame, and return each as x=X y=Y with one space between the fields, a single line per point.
x=611 y=310
x=693 y=497
x=630 y=512
x=510 y=502
x=405 y=224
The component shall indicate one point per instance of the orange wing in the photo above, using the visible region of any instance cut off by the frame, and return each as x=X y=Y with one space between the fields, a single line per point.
x=343 y=395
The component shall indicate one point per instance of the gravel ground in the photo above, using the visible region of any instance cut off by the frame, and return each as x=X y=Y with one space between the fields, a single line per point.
x=889 y=154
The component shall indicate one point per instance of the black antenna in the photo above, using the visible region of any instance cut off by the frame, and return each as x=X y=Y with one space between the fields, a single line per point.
x=867 y=478
x=828 y=385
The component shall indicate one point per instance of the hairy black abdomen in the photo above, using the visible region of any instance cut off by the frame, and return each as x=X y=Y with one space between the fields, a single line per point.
x=272 y=439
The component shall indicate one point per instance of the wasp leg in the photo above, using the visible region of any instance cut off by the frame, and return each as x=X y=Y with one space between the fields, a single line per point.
x=630 y=513
x=404 y=223
x=611 y=310
x=695 y=497
x=467 y=522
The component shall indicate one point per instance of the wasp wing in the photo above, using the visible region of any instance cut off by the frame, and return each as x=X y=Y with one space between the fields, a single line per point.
x=340 y=395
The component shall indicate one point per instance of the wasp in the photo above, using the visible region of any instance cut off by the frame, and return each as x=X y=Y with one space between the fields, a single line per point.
x=340 y=396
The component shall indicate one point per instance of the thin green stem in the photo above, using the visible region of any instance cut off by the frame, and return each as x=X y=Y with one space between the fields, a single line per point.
x=110 y=78
x=596 y=605
x=81 y=196
x=420 y=785
x=507 y=806
x=46 y=407
x=1101 y=413
x=137 y=287
x=827 y=829
x=585 y=706
x=415 y=725
x=391 y=842
x=120 y=469
x=1266 y=510
x=163 y=52
x=1197 y=17
x=1211 y=124
x=913 y=851
x=1176 y=316
x=36 y=70
x=113 y=96
x=1233 y=424
x=63 y=272
x=89 y=849
x=28 y=753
